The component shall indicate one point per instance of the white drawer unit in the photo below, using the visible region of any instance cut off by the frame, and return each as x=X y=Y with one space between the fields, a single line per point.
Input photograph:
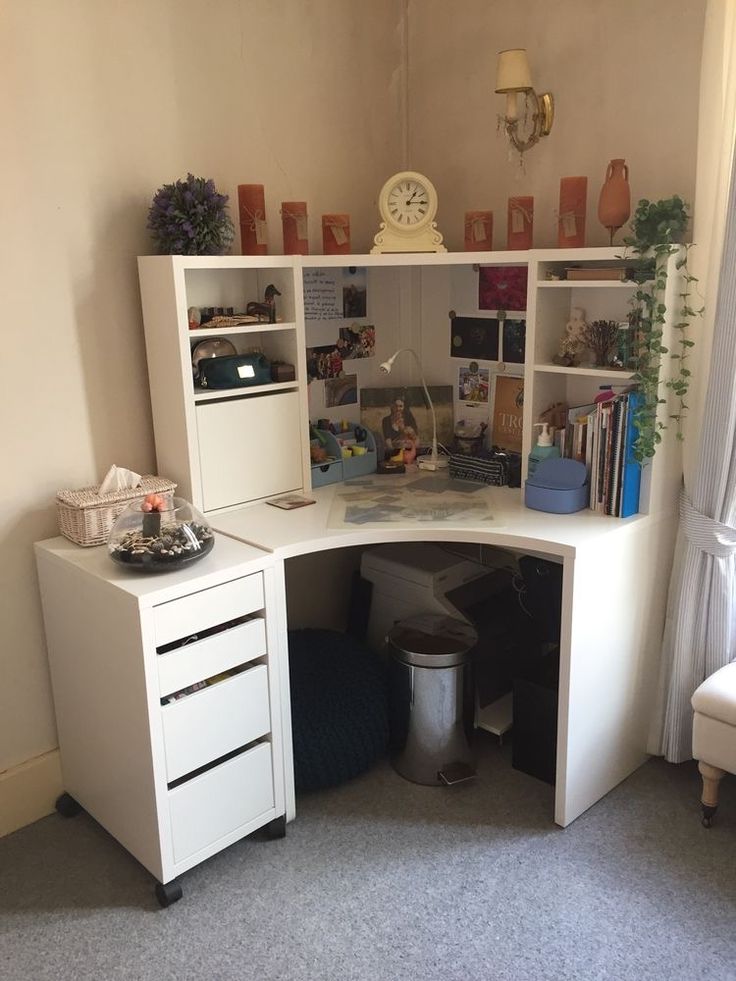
x=169 y=694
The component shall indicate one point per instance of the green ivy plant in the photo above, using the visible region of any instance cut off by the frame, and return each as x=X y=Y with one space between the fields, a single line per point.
x=658 y=230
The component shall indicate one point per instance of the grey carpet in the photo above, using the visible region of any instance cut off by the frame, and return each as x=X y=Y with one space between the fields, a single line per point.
x=381 y=879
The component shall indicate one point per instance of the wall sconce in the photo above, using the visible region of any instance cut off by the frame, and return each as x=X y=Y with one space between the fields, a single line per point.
x=514 y=77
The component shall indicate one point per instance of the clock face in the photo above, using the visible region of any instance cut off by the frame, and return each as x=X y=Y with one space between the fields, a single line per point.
x=408 y=202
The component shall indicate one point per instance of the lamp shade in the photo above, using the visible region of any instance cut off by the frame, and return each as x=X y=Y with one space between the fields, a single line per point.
x=513 y=74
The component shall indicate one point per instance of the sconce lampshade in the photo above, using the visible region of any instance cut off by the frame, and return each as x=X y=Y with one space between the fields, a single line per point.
x=513 y=74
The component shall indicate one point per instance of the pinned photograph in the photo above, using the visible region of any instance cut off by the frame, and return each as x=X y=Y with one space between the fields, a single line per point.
x=354 y=292
x=514 y=338
x=324 y=362
x=357 y=341
x=473 y=383
x=341 y=391
x=474 y=338
x=502 y=287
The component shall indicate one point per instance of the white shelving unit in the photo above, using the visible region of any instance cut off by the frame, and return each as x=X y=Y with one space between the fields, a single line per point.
x=232 y=447
x=225 y=448
x=550 y=302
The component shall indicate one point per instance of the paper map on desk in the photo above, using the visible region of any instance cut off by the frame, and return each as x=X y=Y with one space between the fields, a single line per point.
x=415 y=499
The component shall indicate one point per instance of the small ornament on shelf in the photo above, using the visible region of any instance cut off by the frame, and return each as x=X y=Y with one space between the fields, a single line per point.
x=267 y=310
x=336 y=234
x=614 y=204
x=520 y=231
x=478 y=231
x=571 y=217
x=294 y=223
x=253 y=229
x=602 y=337
x=574 y=341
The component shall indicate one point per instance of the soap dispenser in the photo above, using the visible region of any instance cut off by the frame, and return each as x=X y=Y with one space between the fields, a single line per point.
x=545 y=448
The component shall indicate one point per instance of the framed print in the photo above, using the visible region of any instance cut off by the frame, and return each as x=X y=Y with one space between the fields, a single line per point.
x=396 y=415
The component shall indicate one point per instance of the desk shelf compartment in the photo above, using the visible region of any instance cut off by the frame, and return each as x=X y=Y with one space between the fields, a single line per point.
x=214 y=721
x=222 y=800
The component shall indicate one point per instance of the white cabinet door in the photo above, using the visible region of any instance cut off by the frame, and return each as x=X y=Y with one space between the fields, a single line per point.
x=249 y=448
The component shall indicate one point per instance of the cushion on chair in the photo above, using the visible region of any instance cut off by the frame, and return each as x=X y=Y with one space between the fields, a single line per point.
x=339 y=708
x=716 y=697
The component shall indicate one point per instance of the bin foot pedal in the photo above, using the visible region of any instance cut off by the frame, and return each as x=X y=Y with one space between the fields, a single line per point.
x=456 y=773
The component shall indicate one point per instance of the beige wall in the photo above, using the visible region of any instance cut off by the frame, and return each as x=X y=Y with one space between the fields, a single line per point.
x=101 y=103
x=624 y=76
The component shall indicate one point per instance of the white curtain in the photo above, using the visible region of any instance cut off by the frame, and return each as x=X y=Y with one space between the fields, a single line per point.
x=699 y=632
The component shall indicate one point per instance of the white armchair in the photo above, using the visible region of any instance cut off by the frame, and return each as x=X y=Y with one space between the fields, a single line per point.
x=714 y=734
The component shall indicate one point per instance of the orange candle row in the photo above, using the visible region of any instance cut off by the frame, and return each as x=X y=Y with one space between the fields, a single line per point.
x=478 y=224
x=253 y=238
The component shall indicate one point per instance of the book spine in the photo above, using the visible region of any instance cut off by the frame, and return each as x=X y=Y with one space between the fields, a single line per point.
x=631 y=469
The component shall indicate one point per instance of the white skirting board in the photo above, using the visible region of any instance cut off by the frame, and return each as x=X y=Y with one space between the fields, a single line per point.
x=28 y=791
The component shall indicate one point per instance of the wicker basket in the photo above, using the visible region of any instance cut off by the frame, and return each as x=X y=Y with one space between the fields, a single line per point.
x=86 y=517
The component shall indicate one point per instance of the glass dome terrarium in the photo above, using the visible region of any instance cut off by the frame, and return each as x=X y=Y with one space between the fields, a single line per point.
x=159 y=534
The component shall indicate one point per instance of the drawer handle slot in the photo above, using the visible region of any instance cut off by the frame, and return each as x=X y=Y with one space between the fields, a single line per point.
x=208 y=682
x=209 y=632
x=222 y=759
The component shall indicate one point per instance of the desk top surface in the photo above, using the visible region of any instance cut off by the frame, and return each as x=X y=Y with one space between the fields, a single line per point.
x=507 y=523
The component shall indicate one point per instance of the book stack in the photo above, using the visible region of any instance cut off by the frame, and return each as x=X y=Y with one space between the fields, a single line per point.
x=602 y=436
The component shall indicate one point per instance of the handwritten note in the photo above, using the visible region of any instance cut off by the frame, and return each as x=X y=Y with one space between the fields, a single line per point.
x=322 y=294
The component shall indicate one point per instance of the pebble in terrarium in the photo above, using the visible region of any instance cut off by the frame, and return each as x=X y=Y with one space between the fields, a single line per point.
x=158 y=534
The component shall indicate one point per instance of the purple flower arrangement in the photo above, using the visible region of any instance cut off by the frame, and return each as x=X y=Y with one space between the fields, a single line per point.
x=189 y=217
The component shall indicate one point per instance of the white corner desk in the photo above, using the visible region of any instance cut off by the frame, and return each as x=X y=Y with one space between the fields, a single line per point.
x=175 y=780
x=615 y=576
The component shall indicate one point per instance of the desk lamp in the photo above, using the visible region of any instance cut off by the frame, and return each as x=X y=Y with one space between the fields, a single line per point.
x=433 y=461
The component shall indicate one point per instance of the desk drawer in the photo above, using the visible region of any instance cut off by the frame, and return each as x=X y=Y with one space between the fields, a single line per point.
x=221 y=800
x=208 y=608
x=202 y=659
x=214 y=721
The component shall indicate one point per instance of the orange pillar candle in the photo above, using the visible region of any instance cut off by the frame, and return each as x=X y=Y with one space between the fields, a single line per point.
x=294 y=222
x=336 y=234
x=520 y=223
x=571 y=219
x=252 y=210
x=478 y=231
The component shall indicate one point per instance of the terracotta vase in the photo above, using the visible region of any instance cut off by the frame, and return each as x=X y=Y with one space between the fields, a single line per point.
x=614 y=204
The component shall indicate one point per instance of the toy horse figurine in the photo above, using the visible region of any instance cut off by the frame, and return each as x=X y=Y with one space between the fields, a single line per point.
x=267 y=309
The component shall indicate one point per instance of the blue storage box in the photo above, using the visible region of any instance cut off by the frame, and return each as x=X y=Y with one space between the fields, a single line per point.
x=559 y=486
x=344 y=467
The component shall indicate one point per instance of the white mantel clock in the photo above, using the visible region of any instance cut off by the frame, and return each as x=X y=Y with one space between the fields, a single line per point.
x=408 y=204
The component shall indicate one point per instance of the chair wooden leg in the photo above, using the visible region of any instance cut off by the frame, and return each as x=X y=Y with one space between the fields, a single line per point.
x=709 y=799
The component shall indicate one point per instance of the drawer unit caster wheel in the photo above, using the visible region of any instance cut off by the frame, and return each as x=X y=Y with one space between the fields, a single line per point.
x=67 y=806
x=168 y=893
x=277 y=827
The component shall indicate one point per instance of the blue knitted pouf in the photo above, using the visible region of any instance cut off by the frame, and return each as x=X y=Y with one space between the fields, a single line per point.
x=339 y=712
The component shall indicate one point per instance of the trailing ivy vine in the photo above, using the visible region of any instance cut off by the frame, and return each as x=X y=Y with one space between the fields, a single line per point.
x=658 y=231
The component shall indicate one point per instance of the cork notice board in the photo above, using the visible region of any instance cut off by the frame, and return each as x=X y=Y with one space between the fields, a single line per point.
x=508 y=411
